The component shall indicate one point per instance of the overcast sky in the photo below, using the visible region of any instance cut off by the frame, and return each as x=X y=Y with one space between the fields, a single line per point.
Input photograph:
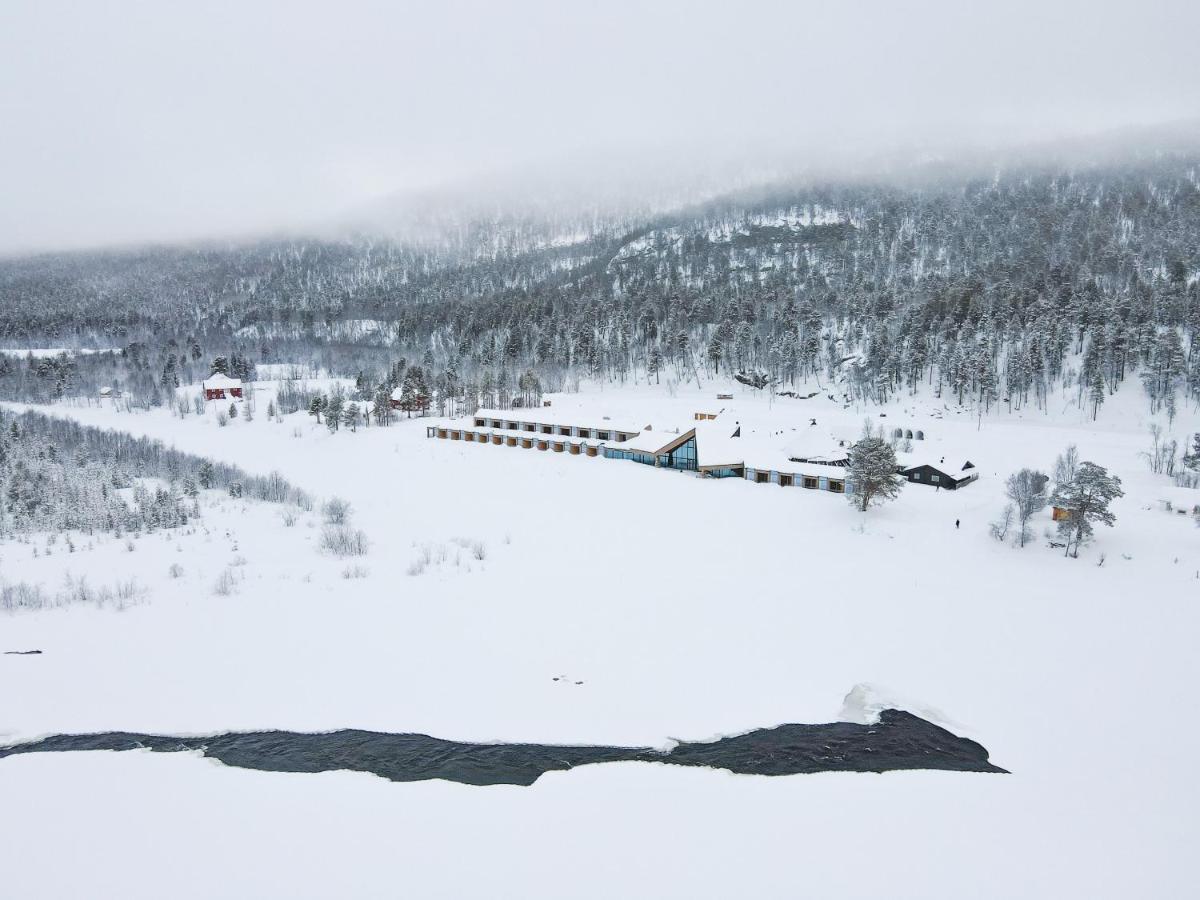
x=128 y=121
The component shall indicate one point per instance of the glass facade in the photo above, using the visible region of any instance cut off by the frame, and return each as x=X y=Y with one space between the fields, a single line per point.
x=682 y=457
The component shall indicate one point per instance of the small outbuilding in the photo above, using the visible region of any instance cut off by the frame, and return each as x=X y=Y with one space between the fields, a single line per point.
x=220 y=386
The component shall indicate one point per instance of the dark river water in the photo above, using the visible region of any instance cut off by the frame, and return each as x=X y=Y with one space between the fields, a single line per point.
x=898 y=741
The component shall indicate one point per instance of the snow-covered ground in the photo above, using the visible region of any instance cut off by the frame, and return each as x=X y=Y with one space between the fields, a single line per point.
x=687 y=607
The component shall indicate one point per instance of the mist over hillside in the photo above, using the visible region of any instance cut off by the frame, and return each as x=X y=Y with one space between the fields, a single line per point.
x=992 y=276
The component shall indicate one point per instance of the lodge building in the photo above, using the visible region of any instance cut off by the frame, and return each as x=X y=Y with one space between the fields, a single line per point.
x=709 y=449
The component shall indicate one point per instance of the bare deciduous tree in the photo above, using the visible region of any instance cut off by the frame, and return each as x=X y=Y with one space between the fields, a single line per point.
x=1027 y=491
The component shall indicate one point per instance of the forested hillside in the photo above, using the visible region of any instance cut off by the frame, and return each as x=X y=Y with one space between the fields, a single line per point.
x=992 y=290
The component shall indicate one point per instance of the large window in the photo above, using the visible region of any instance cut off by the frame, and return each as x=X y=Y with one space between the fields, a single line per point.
x=682 y=457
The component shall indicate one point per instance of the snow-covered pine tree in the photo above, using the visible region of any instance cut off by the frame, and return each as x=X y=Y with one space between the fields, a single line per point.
x=381 y=406
x=1085 y=498
x=872 y=472
x=316 y=406
x=333 y=413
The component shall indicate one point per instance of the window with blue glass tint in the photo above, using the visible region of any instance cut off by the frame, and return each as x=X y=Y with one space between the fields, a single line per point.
x=682 y=457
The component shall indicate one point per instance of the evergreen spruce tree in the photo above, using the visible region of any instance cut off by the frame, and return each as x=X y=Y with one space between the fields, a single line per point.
x=316 y=406
x=654 y=362
x=350 y=416
x=333 y=413
x=1096 y=391
x=381 y=406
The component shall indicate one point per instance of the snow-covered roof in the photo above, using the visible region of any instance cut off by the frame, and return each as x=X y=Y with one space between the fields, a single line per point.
x=824 y=444
x=556 y=416
x=221 y=380
x=525 y=435
x=397 y=393
x=914 y=460
x=651 y=441
x=716 y=445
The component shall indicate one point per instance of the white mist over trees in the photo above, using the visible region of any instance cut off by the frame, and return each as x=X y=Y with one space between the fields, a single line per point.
x=996 y=294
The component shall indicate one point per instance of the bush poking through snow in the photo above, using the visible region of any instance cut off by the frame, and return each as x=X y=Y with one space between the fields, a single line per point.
x=477 y=549
x=355 y=571
x=74 y=592
x=343 y=540
x=175 y=571
x=22 y=596
x=226 y=583
x=438 y=554
x=336 y=511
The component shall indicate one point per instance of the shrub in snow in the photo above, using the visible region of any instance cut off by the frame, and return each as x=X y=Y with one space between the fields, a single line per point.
x=175 y=571
x=226 y=584
x=476 y=548
x=342 y=540
x=21 y=596
x=355 y=571
x=336 y=511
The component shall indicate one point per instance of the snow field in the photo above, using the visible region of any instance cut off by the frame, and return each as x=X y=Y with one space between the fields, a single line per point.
x=689 y=608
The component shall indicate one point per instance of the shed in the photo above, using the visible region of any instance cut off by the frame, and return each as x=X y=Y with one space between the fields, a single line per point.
x=220 y=386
